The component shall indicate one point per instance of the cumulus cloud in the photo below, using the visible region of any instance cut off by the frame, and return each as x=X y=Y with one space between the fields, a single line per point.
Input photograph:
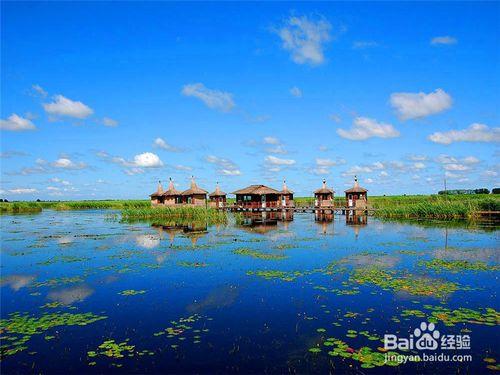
x=418 y=105
x=215 y=99
x=304 y=38
x=323 y=165
x=295 y=91
x=364 y=128
x=39 y=91
x=135 y=166
x=147 y=160
x=474 y=133
x=161 y=143
x=106 y=121
x=62 y=106
x=224 y=166
x=66 y=163
x=273 y=160
x=440 y=40
x=456 y=167
x=22 y=191
x=16 y=123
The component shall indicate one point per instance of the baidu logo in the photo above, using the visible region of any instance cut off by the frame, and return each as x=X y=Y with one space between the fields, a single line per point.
x=426 y=337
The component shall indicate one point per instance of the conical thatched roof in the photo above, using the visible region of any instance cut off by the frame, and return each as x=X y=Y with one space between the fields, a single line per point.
x=172 y=191
x=218 y=192
x=194 y=189
x=324 y=189
x=356 y=188
x=158 y=192
x=256 y=190
x=285 y=189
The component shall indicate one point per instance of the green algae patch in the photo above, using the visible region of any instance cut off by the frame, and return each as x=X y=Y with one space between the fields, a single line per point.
x=192 y=264
x=449 y=317
x=18 y=329
x=258 y=254
x=57 y=281
x=131 y=292
x=390 y=280
x=277 y=275
x=112 y=349
x=456 y=265
x=184 y=326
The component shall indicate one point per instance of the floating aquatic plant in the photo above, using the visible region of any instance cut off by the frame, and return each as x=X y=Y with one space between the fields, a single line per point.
x=457 y=265
x=131 y=292
x=257 y=254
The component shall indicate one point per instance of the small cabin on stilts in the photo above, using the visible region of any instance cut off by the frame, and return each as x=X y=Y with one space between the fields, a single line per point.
x=257 y=196
x=217 y=199
x=286 y=197
x=323 y=197
x=194 y=195
x=157 y=196
x=356 y=197
x=172 y=196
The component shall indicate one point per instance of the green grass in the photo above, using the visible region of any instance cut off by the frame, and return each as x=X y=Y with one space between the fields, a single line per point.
x=197 y=214
x=27 y=207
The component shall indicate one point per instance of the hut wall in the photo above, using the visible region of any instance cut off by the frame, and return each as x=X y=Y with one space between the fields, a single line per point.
x=170 y=201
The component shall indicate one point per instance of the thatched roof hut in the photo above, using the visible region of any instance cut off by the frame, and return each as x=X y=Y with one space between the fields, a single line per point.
x=217 y=193
x=324 y=189
x=194 y=189
x=257 y=196
x=158 y=192
x=172 y=191
x=356 y=196
x=256 y=190
x=323 y=197
x=356 y=188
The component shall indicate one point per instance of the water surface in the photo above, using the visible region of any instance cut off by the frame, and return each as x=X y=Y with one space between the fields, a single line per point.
x=84 y=293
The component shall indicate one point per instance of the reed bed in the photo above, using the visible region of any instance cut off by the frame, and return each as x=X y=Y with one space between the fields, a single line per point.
x=195 y=214
x=440 y=207
x=20 y=207
x=30 y=207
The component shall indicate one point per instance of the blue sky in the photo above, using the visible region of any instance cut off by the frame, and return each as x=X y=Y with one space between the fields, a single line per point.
x=102 y=100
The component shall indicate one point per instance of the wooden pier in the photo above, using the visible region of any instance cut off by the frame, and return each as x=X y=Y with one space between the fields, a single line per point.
x=324 y=210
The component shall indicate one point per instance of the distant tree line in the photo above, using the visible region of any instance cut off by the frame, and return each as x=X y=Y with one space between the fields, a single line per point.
x=469 y=191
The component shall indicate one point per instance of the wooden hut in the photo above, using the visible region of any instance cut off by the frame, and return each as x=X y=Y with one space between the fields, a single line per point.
x=286 y=197
x=157 y=196
x=172 y=196
x=217 y=198
x=323 y=197
x=257 y=196
x=194 y=195
x=356 y=197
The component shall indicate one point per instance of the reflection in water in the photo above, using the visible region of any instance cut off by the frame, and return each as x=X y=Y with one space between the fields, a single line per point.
x=356 y=221
x=219 y=297
x=17 y=282
x=147 y=241
x=324 y=219
x=71 y=295
x=264 y=222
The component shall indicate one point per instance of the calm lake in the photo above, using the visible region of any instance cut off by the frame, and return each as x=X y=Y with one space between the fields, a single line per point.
x=83 y=292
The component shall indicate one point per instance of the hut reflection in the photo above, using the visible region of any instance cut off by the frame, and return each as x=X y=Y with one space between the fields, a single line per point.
x=324 y=219
x=356 y=221
x=264 y=222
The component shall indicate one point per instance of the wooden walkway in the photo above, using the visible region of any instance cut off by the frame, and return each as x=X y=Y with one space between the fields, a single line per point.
x=323 y=210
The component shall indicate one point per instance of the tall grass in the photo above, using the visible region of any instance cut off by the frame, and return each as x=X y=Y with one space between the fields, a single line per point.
x=434 y=206
x=185 y=213
x=20 y=207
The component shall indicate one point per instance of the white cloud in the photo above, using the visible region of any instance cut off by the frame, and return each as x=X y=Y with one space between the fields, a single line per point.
x=215 y=99
x=364 y=44
x=106 y=121
x=295 y=91
x=455 y=167
x=471 y=160
x=418 y=157
x=22 y=191
x=369 y=181
x=273 y=160
x=364 y=128
x=384 y=174
x=62 y=106
x=16 y=123
x=419 y=165
x=60 y=181
x=443 y=40
x=271 y=141
x=66 y=163
x=161 y=143
x=417 y=105
x=39 y=91
x=147 y=160
x=305 y=39
x=226 y=167
x=358 y=169
x=329 y=162
x=474 y=133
